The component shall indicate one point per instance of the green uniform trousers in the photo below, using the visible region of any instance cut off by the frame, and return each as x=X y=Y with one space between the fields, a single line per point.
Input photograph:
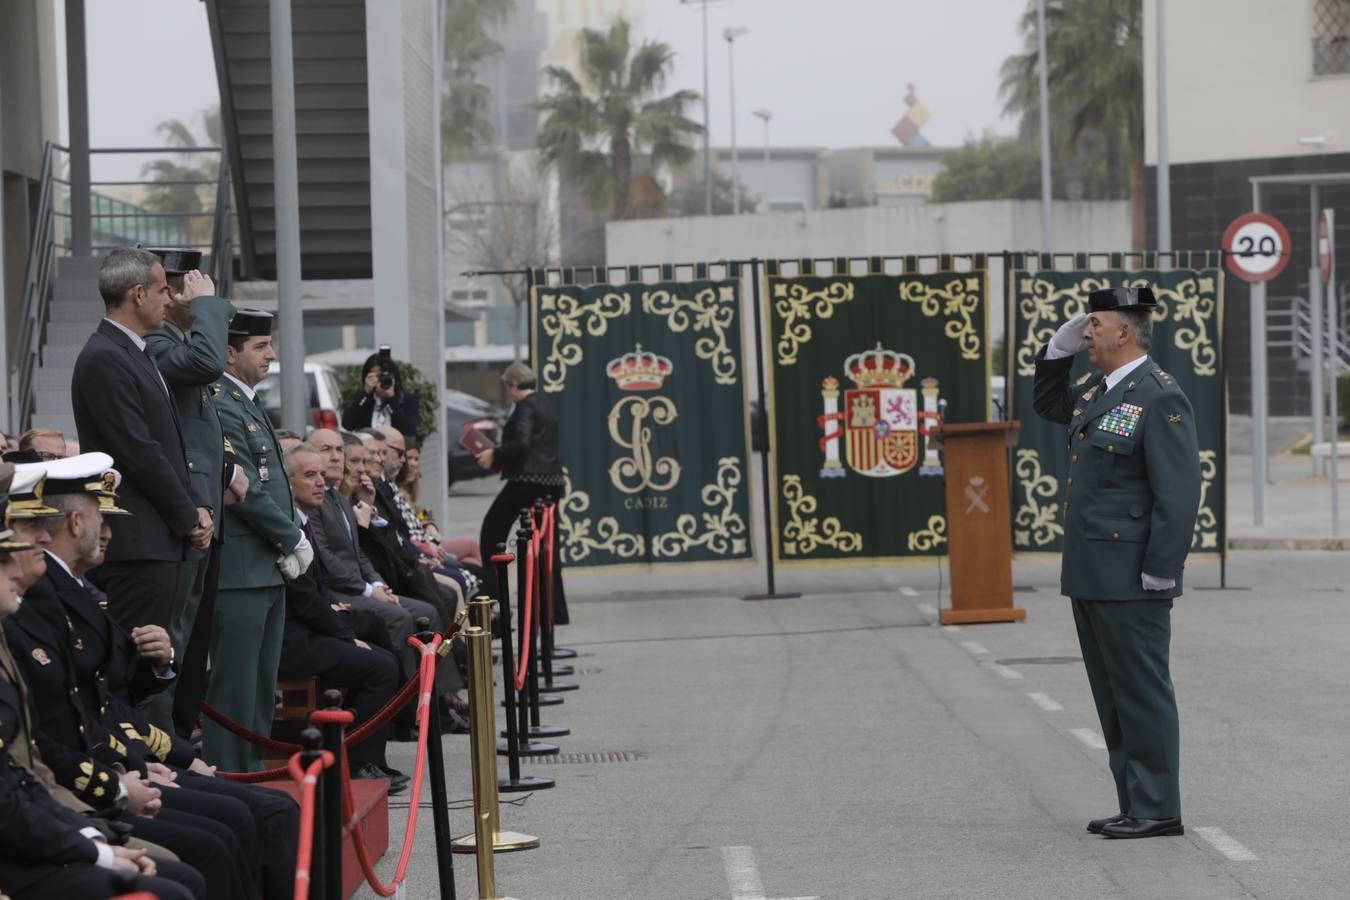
x=1125 y=647
x=245 y=654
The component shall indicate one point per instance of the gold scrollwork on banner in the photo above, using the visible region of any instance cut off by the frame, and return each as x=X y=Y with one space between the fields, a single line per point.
x=1193 y=302
x=563 y=318
x=711 y=309
x=1206 y=535
x=639 y=472
x=803 y=533
x=1038 y=304
x=794 y=303
x=930 y=537
x=958 y=300
x=1035 y=522
x=723 y=528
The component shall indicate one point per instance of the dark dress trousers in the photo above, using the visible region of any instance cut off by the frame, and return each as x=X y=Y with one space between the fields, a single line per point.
x=112 y=682
x=190 y=363
x=123 y=408
x=528 y=460
x=1133 y=490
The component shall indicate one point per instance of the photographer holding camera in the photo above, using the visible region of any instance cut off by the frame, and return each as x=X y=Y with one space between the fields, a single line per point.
x=381 y=403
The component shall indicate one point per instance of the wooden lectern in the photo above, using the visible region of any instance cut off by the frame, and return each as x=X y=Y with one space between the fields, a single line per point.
x=979 y=523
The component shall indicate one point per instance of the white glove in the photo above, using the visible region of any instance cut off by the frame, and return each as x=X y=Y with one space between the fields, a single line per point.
x=303 y=553
x=290 y=566
x=1068 y=340
x=1156 y=584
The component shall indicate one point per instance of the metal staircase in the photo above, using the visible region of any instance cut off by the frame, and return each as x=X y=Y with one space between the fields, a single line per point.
x=332 y=132
x=1291 y=331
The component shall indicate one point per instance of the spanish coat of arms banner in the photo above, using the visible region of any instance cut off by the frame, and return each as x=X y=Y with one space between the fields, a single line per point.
x=649 y=386
x=1187 y=341
x=862 y=368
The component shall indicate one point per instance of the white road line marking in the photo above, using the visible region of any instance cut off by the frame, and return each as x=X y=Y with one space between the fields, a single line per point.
x=891 y=578
x=1045 y=701
x=1219 y=840
x=952 y=629
x=908 y=591
x=927 y=609
x=974 y=647
x=1089 y=737
x=743 y=875
x=1006 y=671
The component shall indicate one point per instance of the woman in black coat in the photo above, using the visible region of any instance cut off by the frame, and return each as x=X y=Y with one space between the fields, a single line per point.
x=528 y=459
x=381 y=402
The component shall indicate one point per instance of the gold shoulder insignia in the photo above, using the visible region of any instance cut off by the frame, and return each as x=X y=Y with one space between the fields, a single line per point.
x=229 y=448
x=1087 y=376
x=1077 y=413
x=215 y=390
x=234 y=392
x=1174 y=418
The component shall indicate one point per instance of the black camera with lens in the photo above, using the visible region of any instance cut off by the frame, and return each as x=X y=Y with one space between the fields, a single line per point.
x=387 y=381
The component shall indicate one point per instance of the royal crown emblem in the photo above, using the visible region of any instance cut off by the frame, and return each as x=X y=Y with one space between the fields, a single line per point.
x=640 y=370
x=881 y=420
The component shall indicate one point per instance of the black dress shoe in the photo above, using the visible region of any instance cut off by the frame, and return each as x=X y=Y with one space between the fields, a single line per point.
x=396 y=778
x=1130 y=827
x=370 y=770
x=453 y=723
x=1096 y=825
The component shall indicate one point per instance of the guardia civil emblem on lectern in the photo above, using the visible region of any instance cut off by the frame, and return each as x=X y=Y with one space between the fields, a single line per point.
x=881 y=420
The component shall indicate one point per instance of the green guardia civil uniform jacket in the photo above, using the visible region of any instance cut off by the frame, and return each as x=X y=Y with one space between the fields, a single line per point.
x=190 y=364
x=263 y=526
x=1133 y=486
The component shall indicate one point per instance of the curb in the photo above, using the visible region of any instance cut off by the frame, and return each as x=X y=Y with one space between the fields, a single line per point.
x=1273 y=543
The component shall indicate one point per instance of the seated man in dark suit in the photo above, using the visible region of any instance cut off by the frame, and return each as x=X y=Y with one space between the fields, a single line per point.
x=319 y=643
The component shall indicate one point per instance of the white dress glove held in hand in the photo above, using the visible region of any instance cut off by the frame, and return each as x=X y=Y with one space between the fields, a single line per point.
x=303 y=553
x=1156 y=584
x=290 y=566
x=1068 y=340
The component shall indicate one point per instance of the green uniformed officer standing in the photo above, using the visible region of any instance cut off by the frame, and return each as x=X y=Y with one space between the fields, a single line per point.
x=1132 y=493
x=190 y=353
x=263 y=540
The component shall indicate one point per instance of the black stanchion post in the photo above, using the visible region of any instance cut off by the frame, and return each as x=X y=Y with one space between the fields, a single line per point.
x=766 y=489
x=331 y=787
x=311 y=742
x=525 y=631
x=514 y=781
x=440 y=803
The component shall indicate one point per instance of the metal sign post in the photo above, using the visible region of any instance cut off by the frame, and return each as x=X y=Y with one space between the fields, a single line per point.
x=1327 y=263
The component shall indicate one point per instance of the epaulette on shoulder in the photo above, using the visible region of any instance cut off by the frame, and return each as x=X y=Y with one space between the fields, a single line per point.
x=216 y=389
x=1164 y=379
x=1087 y=376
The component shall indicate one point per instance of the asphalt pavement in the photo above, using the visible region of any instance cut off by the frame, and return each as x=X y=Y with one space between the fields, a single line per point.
x=843 y=746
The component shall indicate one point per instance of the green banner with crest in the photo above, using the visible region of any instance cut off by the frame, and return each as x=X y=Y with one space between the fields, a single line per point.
x=649 y=386
x=1187 y=341
x=860 y=367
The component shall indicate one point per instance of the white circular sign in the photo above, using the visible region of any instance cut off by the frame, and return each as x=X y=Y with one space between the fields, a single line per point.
x=1256 y=246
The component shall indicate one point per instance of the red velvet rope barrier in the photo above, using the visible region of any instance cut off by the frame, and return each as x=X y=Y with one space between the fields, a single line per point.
x=427 y=674
x=550 y=523
x=307 y=779
x=527 y=612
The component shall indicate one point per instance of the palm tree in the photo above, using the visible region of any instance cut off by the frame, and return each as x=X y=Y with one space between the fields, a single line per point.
x=596 y=123
x=465 y=122
x=1095 y=53
x=167 y=192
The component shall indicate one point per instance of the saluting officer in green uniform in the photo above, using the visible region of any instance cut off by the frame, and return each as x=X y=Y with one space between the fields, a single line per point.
x=190 y=353
x=263 y=540
x=1132 y=492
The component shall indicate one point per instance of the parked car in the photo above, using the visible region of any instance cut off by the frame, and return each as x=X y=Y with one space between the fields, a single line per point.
x=467 y=411
x=321 y=385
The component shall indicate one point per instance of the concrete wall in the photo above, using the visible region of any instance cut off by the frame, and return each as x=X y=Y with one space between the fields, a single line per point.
x=792 y=178
x=404 y=190
x=1240 y=82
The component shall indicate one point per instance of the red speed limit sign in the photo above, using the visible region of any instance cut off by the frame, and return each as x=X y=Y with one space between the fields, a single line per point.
x=1256 y=247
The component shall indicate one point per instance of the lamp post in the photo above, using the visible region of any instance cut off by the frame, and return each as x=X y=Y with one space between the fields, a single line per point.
x=765 y=115
x=1047 y=226
x=707 y=149
x=731 y=34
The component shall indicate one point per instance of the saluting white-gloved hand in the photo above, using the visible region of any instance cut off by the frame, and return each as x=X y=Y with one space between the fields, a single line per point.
x=1156 y=584
x=1069 y=339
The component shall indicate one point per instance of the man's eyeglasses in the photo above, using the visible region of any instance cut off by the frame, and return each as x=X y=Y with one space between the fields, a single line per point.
x=49 y=456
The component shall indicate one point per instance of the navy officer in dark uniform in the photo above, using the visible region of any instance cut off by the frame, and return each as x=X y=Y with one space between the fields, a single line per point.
x=1132 y=493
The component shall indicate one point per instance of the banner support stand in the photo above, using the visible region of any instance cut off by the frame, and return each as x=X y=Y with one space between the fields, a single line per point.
x=766 y=488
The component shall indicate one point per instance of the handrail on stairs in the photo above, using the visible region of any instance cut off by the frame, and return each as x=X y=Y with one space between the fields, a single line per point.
x=37 y=295
x=222 y=233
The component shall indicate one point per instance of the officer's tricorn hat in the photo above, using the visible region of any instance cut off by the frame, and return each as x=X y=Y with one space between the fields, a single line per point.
x=91 y=474
x=1136 y=298
x=26 y=487
x=8 y=544
x=178 y=262
x=251 y=323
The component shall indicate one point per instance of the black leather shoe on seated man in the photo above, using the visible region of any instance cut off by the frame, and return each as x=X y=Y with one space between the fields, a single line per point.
x=1096 y=825
x=370 y=770
x=1130 y=827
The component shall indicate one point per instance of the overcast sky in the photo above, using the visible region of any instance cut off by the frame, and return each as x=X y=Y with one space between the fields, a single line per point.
x=831 y=72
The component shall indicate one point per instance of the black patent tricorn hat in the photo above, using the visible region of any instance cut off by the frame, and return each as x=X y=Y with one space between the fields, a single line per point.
x=251 y=322
x=1122 y=298
x=178 y=262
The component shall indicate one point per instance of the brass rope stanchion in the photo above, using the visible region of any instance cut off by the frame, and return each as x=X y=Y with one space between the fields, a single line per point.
x=488 y=838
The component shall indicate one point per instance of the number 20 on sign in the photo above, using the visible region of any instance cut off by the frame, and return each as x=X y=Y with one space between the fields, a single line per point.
x=1256 y=247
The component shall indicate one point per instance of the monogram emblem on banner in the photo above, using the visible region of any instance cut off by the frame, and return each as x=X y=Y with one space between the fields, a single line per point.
x=631 y=418
x=881 y=420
